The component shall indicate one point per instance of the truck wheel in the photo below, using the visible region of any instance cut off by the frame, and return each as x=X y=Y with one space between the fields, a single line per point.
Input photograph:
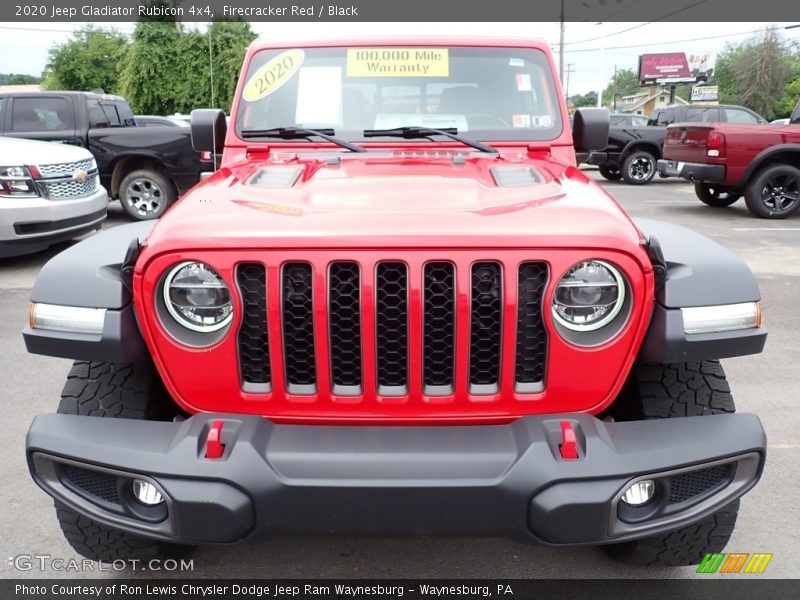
x=656 y=391
x=774 y=193
x=610 y=173
x=639 y=167
x=714 y=195
x=113 y=391
x=145 y=194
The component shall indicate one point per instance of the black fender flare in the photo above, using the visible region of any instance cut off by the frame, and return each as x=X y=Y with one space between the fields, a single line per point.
x=94 y=273
x=634 y=145
x=699 y=272
x=758 y=161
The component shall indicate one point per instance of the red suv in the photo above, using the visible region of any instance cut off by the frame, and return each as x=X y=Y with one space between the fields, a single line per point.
x=397 y=307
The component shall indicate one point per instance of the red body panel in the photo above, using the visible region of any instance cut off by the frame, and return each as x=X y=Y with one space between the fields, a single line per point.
x=688 y=143
x=401 y=206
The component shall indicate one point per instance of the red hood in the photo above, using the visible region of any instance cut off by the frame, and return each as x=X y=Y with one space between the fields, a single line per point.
x=399 y=200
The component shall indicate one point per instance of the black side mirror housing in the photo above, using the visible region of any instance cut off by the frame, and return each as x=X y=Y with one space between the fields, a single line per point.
x=590 y=129
x=795 y=118
x=208 y=130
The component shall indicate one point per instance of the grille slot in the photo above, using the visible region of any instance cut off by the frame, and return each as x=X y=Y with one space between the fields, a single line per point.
x=391 y=291
x=298 y=329
x=253 y=338
x=100 y=485
x=439 y=323
x=531 y=334
x=71 y=188
x=485 y=328
x=688 y=485
x=344 y=318
x=66 y=169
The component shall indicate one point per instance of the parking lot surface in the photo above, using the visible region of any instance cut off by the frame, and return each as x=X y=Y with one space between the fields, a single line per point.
x=767 y=384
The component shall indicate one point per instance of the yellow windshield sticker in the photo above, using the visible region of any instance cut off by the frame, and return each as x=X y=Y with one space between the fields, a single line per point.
x=398 y=62
x=273 y=75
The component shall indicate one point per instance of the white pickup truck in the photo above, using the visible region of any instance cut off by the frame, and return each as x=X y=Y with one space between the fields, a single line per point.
x=48 y=193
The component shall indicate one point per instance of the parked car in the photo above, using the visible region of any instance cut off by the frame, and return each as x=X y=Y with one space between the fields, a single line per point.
x=383 y=326
x=779 y=122
x=146 y=168
x=628 y=121
x=634 y=148
x=726 y=160
x=48 y=193
x=157 y=121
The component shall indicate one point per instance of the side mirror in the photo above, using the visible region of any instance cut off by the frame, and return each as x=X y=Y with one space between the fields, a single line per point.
x=590 y=129
x=795 y=118
x=208 y=130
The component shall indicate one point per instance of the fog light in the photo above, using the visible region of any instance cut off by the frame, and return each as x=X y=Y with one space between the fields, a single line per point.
x=639 y=493
x=146 y=493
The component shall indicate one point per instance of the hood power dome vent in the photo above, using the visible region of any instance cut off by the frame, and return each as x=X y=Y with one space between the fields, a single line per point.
x=276 y=177
x=516 y=176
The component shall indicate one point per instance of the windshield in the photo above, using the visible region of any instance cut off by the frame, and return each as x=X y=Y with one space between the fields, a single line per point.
x=492 y=94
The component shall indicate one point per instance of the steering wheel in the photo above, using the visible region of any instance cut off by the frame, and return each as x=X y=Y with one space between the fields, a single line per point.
x=494 y=118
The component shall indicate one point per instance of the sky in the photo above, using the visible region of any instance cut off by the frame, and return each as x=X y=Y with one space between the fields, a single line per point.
x=592 y=49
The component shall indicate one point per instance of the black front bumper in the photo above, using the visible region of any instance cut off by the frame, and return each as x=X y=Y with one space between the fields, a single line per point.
x=500 y=479
x=691 y=171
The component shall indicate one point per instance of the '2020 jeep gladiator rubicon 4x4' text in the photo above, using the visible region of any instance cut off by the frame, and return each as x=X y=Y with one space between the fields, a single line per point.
x=397 y=307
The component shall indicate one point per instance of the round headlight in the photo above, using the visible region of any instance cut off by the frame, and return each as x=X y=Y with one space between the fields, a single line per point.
x=197 y=297
x=589 y=296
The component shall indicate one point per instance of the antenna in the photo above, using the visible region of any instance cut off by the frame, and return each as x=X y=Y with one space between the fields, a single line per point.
x=213 y=102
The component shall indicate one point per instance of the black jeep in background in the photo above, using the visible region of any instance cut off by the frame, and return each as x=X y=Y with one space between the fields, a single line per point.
x=146 y=168
x=635 y=143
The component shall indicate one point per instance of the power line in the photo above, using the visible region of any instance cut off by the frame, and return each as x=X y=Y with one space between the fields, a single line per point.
x=661 y=18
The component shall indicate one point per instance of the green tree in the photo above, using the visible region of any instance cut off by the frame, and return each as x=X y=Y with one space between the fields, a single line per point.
x=755 y=73
x=168 y=71
x=588 y=99
x=18 y=79
x=623 y=83
x=90 y=60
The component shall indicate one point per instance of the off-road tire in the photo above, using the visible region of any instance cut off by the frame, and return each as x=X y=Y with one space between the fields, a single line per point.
x=664 y=391
x=610 y=173
x=113 y=391
x=639 y=167
x=770 y=178
x=146 y=194
x=714 y=195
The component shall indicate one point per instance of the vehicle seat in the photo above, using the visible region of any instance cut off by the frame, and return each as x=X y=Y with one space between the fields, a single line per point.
x=26 y=119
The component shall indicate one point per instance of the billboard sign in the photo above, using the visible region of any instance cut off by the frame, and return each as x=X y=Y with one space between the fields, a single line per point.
x=705 y=93
x=675 y=67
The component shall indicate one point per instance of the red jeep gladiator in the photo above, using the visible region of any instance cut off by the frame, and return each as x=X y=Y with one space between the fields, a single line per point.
x=397 y=307
x=726 y=160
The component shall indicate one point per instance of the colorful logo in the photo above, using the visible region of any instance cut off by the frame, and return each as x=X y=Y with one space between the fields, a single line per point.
x=734 y=562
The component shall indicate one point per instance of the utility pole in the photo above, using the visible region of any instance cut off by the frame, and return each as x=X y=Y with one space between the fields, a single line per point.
x=561 y=46
x=567 y=73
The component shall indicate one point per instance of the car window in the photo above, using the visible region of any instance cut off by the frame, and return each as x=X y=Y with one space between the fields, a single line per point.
x=737 y=115
x=2 y=102
x=41 y=114
x=665 y=117
x=638 y=121
x=125 y=114
x=705 y=114
x=97 y=118
x=491 y=93
x=618 y=121
x=111 y=114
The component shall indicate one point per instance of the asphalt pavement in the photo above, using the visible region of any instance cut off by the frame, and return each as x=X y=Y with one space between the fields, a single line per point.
x=767 y=384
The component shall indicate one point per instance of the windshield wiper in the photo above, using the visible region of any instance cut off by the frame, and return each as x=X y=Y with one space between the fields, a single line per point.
x=301 y=133
x=412 y=132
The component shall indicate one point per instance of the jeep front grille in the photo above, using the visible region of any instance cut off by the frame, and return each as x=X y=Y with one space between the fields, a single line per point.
x=390 y=328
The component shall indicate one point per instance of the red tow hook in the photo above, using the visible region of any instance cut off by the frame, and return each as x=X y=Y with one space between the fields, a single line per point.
x=214 y=447
x=568 y=446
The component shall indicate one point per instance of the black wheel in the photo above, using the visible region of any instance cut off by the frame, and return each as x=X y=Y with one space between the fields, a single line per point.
x=663 y=392
x=714 y=195
x=774 y=193
x=113 y=391
x=639 y=167
x=145 y=194
x=610 y=173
